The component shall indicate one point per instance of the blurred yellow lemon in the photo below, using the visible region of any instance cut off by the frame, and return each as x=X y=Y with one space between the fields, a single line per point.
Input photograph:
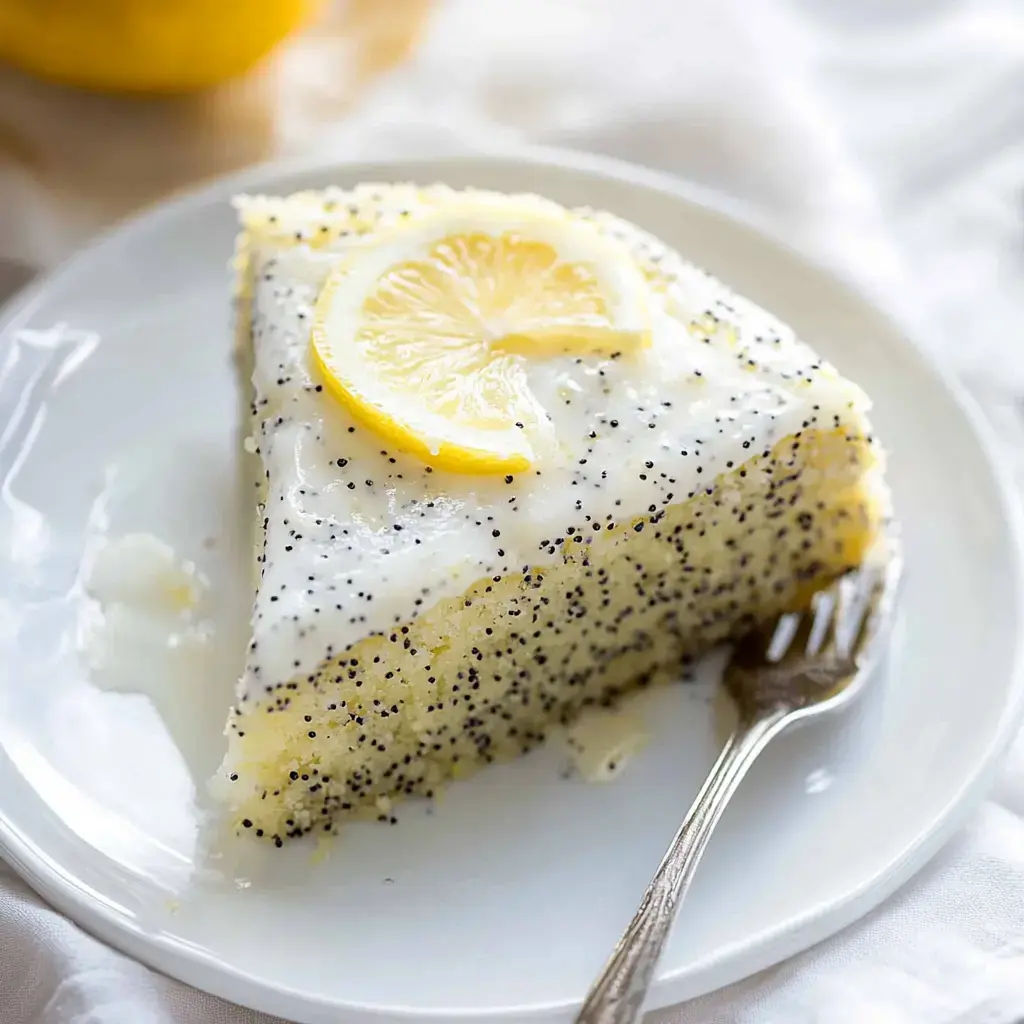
x=144 y=46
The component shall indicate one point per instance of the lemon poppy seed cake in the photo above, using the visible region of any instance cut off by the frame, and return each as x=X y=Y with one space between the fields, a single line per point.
x=515 y=460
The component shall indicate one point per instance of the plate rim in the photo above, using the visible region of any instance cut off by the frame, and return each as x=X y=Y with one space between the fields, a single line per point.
x=202 y=969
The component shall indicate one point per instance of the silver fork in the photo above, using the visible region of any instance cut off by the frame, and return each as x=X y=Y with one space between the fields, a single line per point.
x=801 y=665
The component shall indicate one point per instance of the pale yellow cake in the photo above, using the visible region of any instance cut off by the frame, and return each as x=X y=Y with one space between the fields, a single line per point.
x=515 y=460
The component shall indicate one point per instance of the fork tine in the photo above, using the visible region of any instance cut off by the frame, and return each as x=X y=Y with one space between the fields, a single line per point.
x=881 y=601
x=823 y=607
x=849 y=612
x=782 y=638
x=864 y=591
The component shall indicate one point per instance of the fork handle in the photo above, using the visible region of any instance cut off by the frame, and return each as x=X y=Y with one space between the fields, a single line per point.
x=617 y=996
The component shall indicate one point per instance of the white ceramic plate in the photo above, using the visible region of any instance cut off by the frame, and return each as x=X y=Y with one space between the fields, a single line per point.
x=503 y=902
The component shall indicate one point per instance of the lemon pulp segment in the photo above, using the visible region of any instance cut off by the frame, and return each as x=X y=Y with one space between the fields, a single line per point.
x=428 y=337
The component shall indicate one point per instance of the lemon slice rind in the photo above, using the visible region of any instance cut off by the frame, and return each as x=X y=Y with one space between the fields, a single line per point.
x=402 y=419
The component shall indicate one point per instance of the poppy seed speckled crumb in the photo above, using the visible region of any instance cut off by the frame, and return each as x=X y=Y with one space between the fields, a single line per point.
x=412 y=625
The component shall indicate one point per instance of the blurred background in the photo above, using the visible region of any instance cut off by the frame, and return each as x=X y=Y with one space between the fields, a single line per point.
x=887 y=137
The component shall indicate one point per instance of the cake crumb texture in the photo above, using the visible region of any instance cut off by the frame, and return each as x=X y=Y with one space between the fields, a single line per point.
x=413 y=626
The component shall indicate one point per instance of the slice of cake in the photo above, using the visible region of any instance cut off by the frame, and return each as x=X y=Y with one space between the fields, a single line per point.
x=514 y=460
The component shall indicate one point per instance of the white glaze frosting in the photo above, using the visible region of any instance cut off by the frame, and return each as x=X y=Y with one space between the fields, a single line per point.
x=360 y=537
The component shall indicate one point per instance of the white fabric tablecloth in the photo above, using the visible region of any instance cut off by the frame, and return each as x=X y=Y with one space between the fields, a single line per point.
x=887 y=137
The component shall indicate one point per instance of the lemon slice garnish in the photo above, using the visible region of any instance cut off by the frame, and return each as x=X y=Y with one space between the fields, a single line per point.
x=427 y=334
